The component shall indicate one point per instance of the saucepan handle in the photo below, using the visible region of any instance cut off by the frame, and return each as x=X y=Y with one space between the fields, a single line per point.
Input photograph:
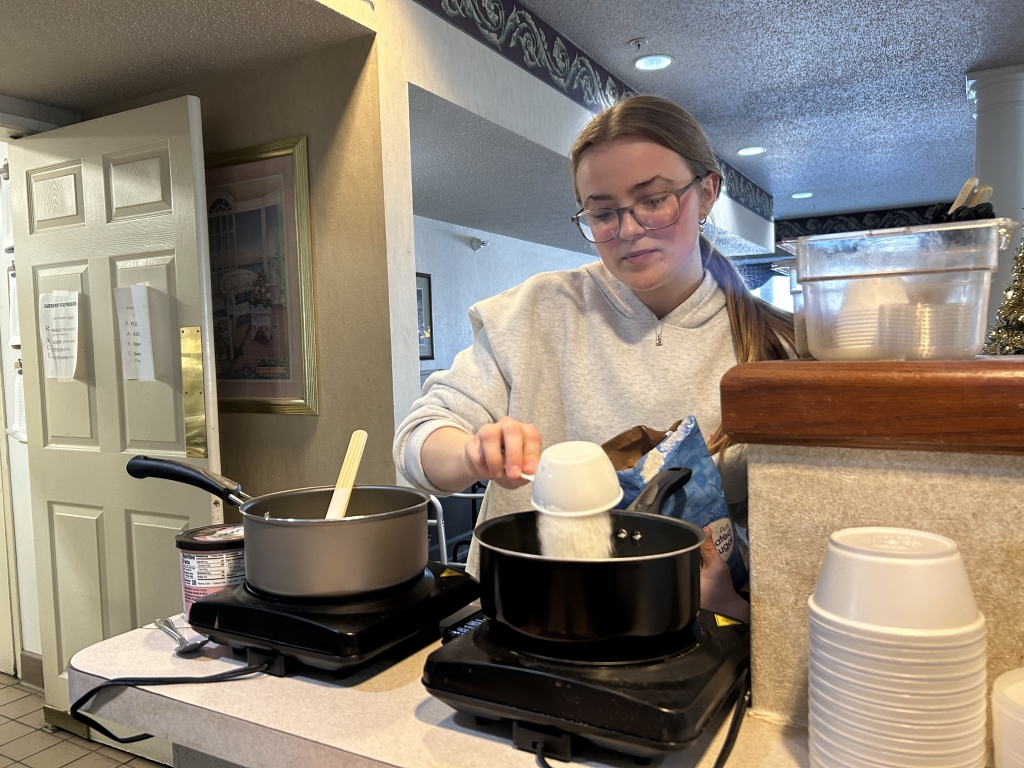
x=663 y=485
x=189 y=474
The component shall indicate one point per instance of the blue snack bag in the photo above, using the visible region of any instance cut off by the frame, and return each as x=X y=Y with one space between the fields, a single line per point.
x=704 y=504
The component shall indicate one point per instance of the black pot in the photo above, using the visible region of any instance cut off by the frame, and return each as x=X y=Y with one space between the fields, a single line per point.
x=649 y=590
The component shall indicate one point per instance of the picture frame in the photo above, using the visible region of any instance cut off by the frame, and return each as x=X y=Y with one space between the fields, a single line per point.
x=261 y=269
x=425 y=316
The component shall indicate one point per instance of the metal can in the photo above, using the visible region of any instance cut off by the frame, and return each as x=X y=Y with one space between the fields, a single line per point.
x=212 y=559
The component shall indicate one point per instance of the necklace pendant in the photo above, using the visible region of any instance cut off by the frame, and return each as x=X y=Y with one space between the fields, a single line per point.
x=658 y=342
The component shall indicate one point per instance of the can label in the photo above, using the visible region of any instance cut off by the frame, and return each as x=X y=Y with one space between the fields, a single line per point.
x=204 y=573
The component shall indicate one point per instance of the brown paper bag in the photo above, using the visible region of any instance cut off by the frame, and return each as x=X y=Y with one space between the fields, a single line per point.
x=627 y=448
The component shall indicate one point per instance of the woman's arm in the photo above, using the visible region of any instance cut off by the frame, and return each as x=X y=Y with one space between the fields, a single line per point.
x=502 y=452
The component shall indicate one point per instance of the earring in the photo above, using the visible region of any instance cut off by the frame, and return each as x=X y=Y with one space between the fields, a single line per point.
x=702 y=223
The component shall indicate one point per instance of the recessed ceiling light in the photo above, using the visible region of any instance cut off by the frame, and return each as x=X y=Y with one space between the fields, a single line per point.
x=801 y=195
x=654 y=61
x=750 y=151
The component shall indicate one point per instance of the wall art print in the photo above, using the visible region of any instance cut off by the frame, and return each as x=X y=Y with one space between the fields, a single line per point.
x=261 y=269
x=425 y=316
x=530 y=42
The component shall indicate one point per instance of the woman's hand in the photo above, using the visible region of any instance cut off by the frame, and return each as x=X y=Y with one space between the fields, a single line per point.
x=502 y=452
x=716 y=591
x=453 y=459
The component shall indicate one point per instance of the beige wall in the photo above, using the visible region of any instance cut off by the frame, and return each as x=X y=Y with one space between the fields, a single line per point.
x=798 y=496
x=419 y=47
x=331 y=97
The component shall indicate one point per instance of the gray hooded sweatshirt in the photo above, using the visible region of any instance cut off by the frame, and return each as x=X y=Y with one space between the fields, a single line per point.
x=576 y=353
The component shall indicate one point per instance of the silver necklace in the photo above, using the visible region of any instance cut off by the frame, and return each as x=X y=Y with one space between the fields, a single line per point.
x=657 y=335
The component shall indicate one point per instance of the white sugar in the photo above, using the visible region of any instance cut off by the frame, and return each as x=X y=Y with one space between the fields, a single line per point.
x=588 y=537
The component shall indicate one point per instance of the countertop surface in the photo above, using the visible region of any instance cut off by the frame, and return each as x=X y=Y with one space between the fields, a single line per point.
x=380 y=716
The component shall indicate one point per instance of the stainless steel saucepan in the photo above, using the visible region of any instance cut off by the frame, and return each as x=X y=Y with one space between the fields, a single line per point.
x=292 y=551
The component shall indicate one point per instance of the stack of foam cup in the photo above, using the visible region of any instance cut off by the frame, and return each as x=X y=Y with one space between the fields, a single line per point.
x=897 y=654
x=857 y=321
x=1008 y=719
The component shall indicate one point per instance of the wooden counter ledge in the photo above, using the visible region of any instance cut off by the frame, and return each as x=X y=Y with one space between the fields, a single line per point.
x=964 y=406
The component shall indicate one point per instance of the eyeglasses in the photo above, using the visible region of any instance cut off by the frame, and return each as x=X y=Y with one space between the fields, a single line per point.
x=655 y=211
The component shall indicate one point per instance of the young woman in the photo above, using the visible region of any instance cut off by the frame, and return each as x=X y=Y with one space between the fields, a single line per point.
x=641 y=336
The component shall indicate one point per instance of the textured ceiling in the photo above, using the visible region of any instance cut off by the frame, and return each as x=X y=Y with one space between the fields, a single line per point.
x=468 y=171
x=103 y=51
x=862 y=104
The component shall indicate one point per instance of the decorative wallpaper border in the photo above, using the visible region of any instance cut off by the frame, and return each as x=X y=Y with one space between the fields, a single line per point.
x=745 y=192
x=525 y=39
x=787 y=229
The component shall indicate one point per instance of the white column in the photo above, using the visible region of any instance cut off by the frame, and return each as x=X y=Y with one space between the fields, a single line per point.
x=999 y=154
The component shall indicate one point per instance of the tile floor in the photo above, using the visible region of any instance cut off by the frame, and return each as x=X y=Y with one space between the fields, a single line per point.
x=28 y=740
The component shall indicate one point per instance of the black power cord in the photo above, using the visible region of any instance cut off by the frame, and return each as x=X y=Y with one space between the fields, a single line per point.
x=126 y=682
x=737 y=720
x=538 y=750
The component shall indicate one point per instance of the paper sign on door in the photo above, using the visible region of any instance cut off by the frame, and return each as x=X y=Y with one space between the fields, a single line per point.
x=58 y=326
x=136 y=333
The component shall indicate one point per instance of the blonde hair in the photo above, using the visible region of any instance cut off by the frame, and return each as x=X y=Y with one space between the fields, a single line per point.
x=759 y=330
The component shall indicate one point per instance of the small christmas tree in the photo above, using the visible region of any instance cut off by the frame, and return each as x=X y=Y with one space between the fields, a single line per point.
x=1007 y=338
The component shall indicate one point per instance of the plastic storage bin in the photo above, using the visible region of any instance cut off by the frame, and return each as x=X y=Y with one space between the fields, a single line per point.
x=913 y=293
x=788 y=268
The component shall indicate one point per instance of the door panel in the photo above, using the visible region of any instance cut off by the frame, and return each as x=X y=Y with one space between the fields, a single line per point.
x=78 y=572
x=55 y=197
x=138 y=183
x=154 y=564
x=110 y=203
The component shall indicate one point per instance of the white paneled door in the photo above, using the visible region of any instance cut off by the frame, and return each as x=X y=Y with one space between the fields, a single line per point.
x=105 y=204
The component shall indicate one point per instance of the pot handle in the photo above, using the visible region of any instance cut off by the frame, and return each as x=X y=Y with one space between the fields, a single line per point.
x=663 y=485
x=166 y=469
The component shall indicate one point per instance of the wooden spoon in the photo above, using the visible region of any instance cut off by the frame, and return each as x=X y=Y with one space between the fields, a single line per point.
x=981 y=195
x=347 y=478
x=965 y=193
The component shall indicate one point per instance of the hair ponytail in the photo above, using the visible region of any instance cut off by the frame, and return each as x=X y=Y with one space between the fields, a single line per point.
x=759 y=330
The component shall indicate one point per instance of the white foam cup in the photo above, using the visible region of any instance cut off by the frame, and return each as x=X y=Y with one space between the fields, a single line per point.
x=896 y=671
x=915 y=708
x=828 y=755
x=958 y=721
x=951 y=735
x=872 y=746
x=941 y=661
x=965 y=692
x=575 y=478
x=948 y=643
x=894 y=577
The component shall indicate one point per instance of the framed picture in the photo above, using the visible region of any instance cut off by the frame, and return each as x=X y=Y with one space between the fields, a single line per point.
x=425 y=316
x=257 y=203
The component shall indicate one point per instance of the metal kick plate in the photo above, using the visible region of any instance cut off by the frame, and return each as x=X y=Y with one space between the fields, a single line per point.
x=193 y=393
